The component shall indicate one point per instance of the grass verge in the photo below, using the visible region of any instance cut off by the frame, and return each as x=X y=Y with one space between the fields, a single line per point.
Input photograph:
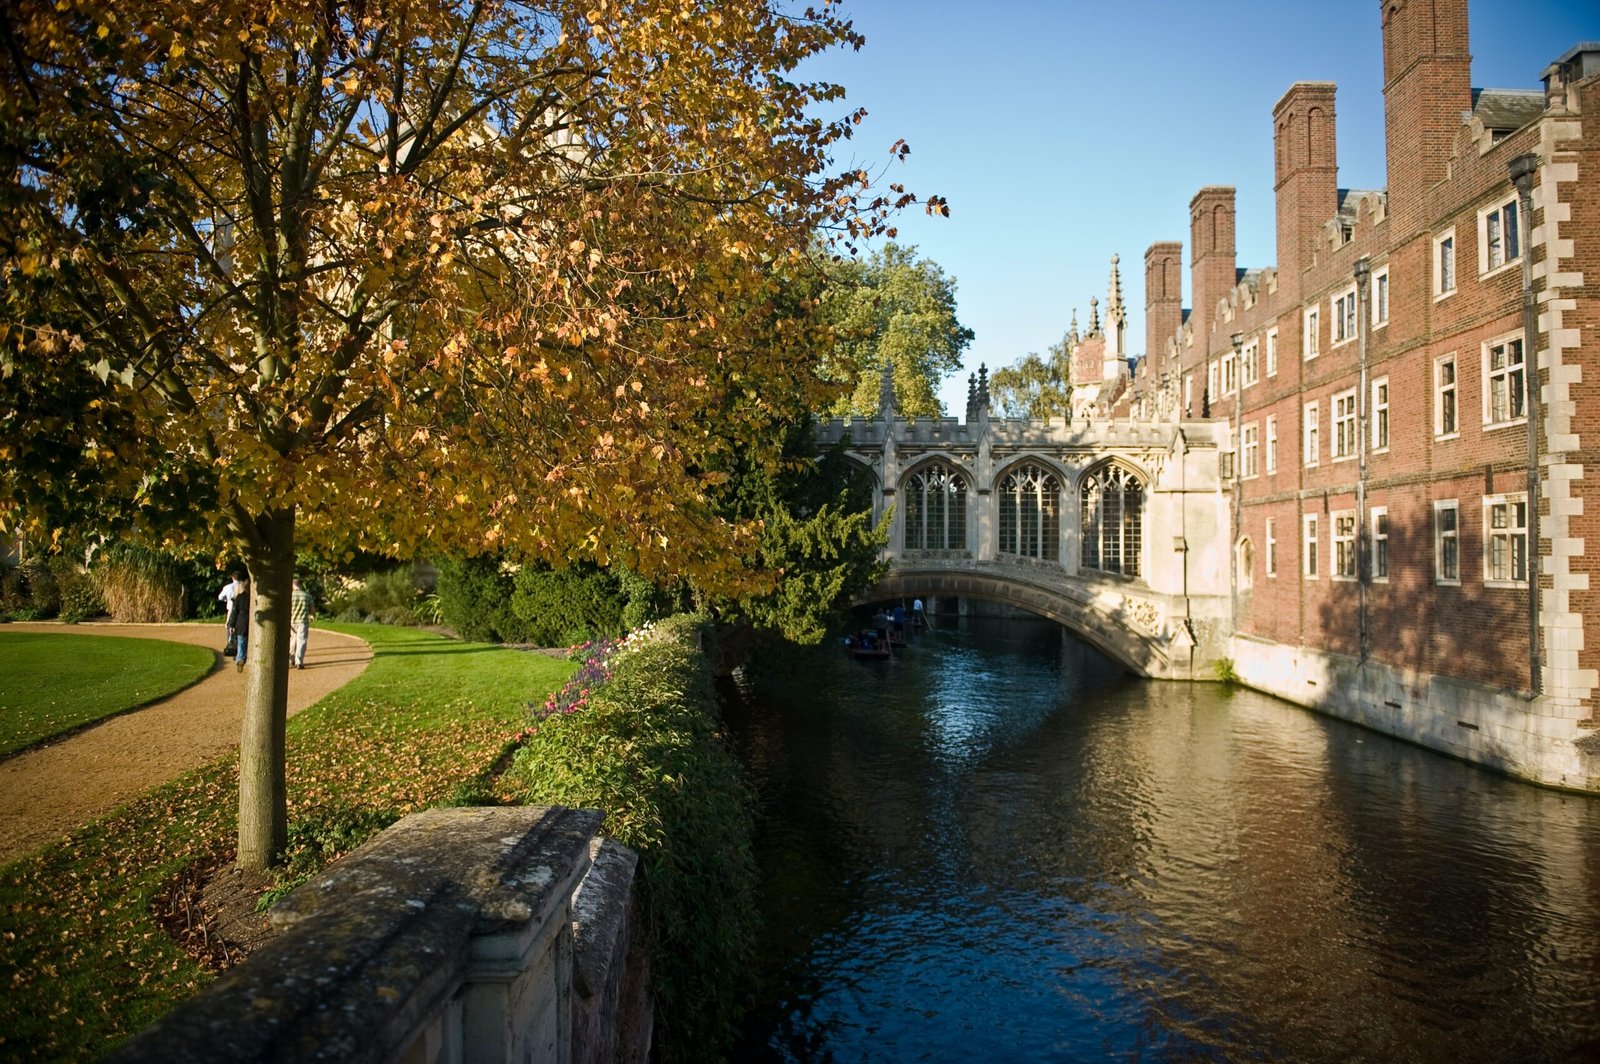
x=83 y=963
x=53 y=683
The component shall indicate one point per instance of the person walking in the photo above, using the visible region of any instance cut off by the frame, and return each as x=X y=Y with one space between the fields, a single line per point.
x=239 y=622
x=225 y=596
x=302 y=610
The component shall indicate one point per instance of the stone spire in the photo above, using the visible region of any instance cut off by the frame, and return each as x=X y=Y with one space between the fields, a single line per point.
x=983 y=388
x=1116 y=315
x=972 y=396
x=886 y=393
x=1072 y=333
x=1094 y=315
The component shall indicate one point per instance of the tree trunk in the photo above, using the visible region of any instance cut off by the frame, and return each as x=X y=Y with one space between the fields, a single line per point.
x=263 y=797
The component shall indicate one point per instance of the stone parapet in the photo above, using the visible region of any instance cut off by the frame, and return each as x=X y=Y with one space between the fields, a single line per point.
x=457 y=934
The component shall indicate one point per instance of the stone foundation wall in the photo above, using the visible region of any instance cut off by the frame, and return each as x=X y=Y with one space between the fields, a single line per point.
x=459 y=935
x=1541 y=740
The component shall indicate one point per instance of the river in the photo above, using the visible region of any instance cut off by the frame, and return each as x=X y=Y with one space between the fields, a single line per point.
x=998 y=847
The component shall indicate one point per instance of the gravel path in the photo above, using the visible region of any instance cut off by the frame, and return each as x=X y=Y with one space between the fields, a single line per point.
x=48 y=791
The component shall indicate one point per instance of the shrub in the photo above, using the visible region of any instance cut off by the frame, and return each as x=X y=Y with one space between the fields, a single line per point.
x=644 y=746
x=388 y=598
x=1225 y=673
x=475 y=600
x=559 y=607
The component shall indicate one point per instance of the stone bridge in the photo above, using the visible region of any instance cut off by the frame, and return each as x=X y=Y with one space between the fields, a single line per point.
x=1118 y=531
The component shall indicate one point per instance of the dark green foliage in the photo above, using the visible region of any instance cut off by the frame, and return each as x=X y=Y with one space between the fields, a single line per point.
x=561 y=607
x=817 y=536
x=647 y=750
x=475 y=600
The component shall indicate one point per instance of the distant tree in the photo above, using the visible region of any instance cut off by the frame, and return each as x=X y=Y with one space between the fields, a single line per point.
x=461 y=273
x=893 y=307
x=1034 y=387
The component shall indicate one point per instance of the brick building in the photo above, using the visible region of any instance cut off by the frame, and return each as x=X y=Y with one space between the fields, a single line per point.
x=1381 y=396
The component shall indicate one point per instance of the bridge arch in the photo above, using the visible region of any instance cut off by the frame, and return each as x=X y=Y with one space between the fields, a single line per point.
x=1126 y=628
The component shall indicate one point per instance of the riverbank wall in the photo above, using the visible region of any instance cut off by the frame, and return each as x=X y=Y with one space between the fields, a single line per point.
x=1540 y=739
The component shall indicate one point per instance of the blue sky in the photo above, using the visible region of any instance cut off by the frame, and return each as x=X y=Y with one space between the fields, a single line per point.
x=1065 y=132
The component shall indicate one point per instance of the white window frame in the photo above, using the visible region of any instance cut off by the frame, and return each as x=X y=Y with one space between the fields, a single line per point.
x=1446 y=264
x=1505 y=507
x=1310 y=345
x=1380 y=415
x=1272 y=444
x=1249 y=366
x=1271 y=561
x=1311 y=434
x=1345 y=322
x=1445 y=541
x=1493 y=225
x=1309 y=546
x=1516 y=394
x=1230 y=374
x=1379 y=518
x=1272 y=352
x=1380 y=297
x=1344 y=425
x=1188 y=391
x=1211 y=382
x=1345 y=565
x=1442 y=390
x=1249 y=451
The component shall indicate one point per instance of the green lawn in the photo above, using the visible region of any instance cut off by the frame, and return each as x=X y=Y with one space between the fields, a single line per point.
x=52 y=683
x=83 y=964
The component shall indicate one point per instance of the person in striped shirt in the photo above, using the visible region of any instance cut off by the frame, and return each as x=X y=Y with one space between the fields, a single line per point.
x=302 y=608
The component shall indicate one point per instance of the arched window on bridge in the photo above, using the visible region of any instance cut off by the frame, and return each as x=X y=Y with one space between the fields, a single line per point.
x=1030 y=513
x=1113 y=520
x=935 y=499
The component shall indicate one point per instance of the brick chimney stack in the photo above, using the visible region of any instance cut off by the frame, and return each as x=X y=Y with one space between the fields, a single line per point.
x=1427 y=85
x=1307 y=171
x=1213 y=268
x=1163 y=296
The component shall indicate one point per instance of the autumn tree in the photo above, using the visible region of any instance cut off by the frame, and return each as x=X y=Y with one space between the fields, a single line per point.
x=893 y=307
x=1036 y=387
x=414 y=272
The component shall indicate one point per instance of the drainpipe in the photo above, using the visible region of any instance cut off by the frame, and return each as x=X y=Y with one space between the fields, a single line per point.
x=1363 y=545
x=1237 y=340
x=1522 y=170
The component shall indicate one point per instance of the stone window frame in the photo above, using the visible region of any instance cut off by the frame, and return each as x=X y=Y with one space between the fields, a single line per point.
x=1344 y=325
x=1044 y=483
x=1270 y=562
x=1501 y=218
x=1311 y=434
x=1311 y=332
x=1129 y=533
x=1270 y=464
x=1446 y=265
x=1343 y=425
x=1502 y=540
x=1378 y=516
x=909 y=492
x=1249 y=451
x=1249 y=363
x=1309 y=546
x=1380 y=414
x=1447 y=543
x=1272 y=352
x=1345 y=557
x=1446 y=428
x=1516 y=396
x=1379 y=301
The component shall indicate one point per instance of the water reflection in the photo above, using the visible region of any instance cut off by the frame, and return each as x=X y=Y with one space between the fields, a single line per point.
x=995 y=847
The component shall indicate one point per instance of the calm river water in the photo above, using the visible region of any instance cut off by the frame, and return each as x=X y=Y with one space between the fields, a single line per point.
x=995 y=847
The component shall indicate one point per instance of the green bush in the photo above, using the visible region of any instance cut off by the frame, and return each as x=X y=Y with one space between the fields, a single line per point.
x=475 y=600
x=139 y=585
x=646 y=749
x=560 y=607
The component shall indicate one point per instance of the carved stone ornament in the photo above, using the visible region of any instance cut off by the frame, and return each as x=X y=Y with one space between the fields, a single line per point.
x=1145 y=614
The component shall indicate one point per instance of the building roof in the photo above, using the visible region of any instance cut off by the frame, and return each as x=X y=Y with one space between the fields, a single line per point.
x=1507 y=109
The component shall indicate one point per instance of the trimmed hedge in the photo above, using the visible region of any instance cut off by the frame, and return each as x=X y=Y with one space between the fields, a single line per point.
x=645 y=746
